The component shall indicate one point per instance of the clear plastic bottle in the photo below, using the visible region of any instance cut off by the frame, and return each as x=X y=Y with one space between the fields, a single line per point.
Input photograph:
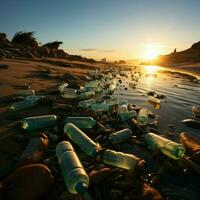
x=111 y=87
x=75 y=177
x=86 y=95
x=86 y=103
x=169 y=148
x=142 y=118
x=96 y=89
x=69 y=93
x=37 y=122
x=21 y=105
x=100 y=107
x=81 y=122
x=120 y=136
x=126 y=116
x=123 y=106
x=153 y=99
x=62 y=87
x=119 y=159
x=88 y=146
x=25 y=93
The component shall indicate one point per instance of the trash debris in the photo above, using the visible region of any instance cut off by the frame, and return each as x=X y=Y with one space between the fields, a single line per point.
x=37 y=122
x=168 y=147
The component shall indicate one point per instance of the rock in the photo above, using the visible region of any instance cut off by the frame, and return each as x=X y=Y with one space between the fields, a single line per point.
x=192 y=123
x=69 y=77
x=150 y=193
x=96 y=177
x=29 y=182
x=3 y=66
x=192 y=146
x=34 y=150
x=115 y=194
x=43 y=50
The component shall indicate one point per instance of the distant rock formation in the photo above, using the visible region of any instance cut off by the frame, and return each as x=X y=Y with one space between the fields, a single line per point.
x=24 y=44
x=190 y=55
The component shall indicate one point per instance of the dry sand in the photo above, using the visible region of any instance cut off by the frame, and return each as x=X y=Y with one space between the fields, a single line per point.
x=16 y=75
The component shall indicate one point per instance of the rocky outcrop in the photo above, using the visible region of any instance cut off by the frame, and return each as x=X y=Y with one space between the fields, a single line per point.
x=24 y=44
x=190 y=55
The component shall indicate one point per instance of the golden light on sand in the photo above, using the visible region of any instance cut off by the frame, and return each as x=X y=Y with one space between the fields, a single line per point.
x=152 y=52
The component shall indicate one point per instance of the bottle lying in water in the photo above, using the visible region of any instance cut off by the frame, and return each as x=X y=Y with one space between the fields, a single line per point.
x=119 y=159
x=86 y=95
x=81 y=122
x=120 y=136
x=100 y=107
x=153 y=99
x=88 y=146
x=75 y=177
x=142 y=118
x=169 y=148
x=127 y=116
x=86 y=103
x=32 y=123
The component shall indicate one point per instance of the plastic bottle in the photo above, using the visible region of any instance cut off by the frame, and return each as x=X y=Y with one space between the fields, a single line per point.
x=81 y=122
x=25 y=93
x=112 y=102
x=123 y=106
x=86 y=103
x=112 y=87
x=120 y=136
x=69 y=93
x=126 y=116
x=88 y=146
x=142 y=118
x=86 y=95
x=100 y=107
x=119 y=159
x=153 y=99
x=62 y=87
x=75 y=177
x=32 y=123
x=21 y=105
x=169 y=148
x=96 y=89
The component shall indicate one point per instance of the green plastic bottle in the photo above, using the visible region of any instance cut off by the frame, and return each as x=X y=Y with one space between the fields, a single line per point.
x=75 y=177
x=127 y=116
x=86 y=103
x=21 y=105
x=120 y=136
x=142 y=118
x=96 y=89
x=86 y=95
x=81 y=122
x=123 y=106
x=88 y=146
x=112 y=102
x=119 y=159
x=100 y=107
x=169 y=148
x=37 y=122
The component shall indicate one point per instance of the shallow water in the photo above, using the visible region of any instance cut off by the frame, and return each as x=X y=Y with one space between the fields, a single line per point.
x=181 y=91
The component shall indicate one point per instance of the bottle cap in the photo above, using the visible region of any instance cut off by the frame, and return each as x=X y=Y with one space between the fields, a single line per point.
x=81 y=187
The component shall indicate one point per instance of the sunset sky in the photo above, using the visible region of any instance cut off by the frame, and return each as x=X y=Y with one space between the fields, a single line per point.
x=115 y=29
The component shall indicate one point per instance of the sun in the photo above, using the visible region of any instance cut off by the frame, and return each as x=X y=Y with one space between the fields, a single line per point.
x=152 y=52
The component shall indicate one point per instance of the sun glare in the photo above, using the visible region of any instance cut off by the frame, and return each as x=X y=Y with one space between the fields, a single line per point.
x=152 y=52
x=151 y=69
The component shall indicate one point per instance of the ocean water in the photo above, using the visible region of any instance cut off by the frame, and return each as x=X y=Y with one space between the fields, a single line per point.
x=182 y=92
